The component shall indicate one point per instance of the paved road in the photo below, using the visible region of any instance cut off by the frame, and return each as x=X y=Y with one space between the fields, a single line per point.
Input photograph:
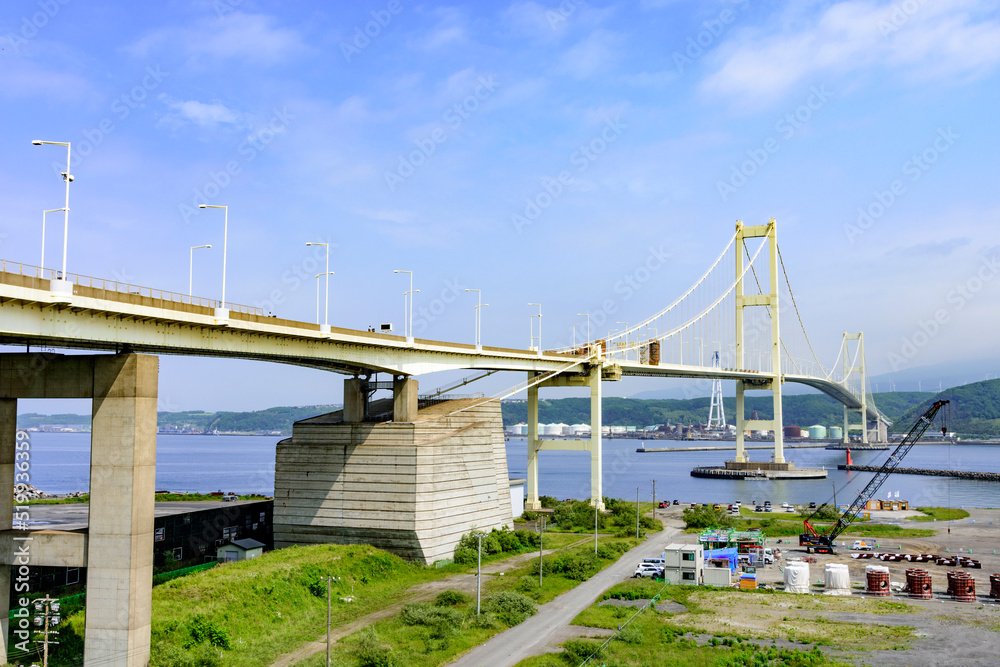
x=534 y=635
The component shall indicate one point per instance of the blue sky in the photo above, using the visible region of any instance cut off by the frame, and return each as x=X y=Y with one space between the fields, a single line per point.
x=541 y=152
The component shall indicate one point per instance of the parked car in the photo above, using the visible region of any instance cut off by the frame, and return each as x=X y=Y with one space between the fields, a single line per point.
x=768 y=508
x=663 y=503
x=812 y=506
x=790 y=509
x=647 y=570
x=758 y=508
x=675 y=502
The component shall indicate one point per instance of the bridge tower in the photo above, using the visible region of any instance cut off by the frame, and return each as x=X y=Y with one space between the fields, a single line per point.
x=849 y=368
x=590 y=378
x=769 y=380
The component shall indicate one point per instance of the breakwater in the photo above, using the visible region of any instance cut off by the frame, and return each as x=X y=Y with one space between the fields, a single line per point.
x=963 y=474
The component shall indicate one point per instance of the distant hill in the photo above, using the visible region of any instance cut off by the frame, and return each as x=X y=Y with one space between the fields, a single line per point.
x=800 y=410
x=271 y=419
x=974 y=409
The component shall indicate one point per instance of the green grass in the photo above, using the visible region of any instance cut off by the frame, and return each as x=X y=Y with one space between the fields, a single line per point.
x=265 y=607
x=940 y=514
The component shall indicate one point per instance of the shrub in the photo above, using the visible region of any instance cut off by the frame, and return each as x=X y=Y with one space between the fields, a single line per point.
x=491 y=544
x=486 y=621
x=580 y=567
x=203 y=630
x=465 y=556
x=630 y=635
x=527 y=538
x=165 y=654
x=442 y=621
x=529 y=515
x=576 y=651
x=508 y=540
x=510 y=607
x=372 y=653
x=450 y=598
x=705 y=517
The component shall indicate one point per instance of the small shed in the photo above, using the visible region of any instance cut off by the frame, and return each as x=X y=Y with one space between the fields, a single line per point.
x=244 y=549
x=517 y=487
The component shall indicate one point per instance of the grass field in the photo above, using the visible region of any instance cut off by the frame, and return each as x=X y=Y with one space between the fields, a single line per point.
x=941 y=514
x=728 y=627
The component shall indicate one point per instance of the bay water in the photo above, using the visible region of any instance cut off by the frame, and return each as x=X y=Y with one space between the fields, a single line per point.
x=245 y=464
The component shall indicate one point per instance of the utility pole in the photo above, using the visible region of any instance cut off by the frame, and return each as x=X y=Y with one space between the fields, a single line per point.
x=595 y=528
x=49 y=609
x=329 y=581
x=654 y=498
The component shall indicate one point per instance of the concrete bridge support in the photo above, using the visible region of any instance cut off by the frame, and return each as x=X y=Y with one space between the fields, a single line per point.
x=592 y=379
x=118 y=547
x=857 y=365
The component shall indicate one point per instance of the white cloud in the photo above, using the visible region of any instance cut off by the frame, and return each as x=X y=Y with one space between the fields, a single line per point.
x=449 y=30
x=934 y=41
x=207 y=115
x=249 y=37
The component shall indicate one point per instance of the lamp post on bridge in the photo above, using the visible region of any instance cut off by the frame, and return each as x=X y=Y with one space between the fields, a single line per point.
x=531 y=322
x=478 y=308
x=41 y=264
x=191 y=267
x=318 y=276
x=575 y=325
x=408 y=307
x=326 y=313
x=64 y=287
x=222 y=313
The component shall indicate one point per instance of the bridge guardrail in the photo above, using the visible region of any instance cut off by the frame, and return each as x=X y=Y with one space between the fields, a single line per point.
x=29 y=271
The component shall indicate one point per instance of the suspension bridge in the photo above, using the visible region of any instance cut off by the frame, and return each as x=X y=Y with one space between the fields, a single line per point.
x=438 y=465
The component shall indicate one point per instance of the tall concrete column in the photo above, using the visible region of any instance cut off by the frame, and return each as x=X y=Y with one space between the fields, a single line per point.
x=354 y=400
x=8 y=435
x=532 y=502
x=122 y=481
x=596 y=468
x=741 y=456
x=404 y=399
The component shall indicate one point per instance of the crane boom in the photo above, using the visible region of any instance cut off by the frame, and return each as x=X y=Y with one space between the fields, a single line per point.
x=823 y=542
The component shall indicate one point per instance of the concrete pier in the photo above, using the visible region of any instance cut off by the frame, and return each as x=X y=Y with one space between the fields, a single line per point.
x=118 y=547
x=410 y=487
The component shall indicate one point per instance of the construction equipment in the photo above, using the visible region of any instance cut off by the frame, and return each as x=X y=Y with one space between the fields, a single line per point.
x=823 y=542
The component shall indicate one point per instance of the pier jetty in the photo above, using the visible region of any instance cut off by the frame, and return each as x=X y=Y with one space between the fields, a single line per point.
x=964 y=474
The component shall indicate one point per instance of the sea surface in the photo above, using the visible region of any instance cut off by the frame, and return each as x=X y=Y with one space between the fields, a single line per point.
x=245 y=464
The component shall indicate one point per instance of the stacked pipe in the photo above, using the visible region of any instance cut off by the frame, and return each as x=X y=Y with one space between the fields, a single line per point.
x=877 y=577
x=961 y=586
x=918 y=583
x=995 y=586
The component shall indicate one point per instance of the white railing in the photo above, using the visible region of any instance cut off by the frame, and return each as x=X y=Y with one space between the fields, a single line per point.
x=30 y=271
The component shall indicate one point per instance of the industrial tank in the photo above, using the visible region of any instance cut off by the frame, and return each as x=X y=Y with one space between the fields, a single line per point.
x=817 y=432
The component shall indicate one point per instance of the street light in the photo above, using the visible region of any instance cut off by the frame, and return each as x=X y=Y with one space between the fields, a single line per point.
x=191 y=267
x=408 y=307
x=51 y=210
x=531 y=322
x=574 y=333
x=326 y=314
x=587 y=315
x=479 y=308
x=318 y=276
x=68 y=177
x=222 y=312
